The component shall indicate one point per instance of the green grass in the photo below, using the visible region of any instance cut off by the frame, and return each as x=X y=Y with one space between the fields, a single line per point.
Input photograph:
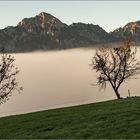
x=118 y=119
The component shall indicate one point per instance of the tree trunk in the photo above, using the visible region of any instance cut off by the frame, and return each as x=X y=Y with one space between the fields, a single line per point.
x=117 y=94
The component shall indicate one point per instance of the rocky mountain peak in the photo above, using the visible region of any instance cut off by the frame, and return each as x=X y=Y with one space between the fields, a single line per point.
x=130 y=29
x=45 y=15
x=132 y=25
x=42 y=14
x=42 y=22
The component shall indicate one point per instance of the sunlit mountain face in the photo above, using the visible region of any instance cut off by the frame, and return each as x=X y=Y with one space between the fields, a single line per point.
x=130 y=29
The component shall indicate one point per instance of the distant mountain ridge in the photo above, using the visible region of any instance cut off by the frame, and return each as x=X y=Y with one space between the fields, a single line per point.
x=46 y=32
x=130 y=29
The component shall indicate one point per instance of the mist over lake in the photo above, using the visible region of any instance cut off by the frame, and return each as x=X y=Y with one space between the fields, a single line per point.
x=57 y=79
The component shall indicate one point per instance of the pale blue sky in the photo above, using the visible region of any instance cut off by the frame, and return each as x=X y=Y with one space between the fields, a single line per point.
x=108 y=14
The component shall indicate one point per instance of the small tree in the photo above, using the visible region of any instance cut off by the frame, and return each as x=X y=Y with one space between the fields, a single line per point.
x=116 y=65
x=8 y=73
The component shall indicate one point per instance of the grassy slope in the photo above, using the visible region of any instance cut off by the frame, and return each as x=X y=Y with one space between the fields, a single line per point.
x=112 y=119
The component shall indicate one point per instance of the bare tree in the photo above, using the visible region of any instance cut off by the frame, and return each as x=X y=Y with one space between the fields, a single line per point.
x=8 y=72
x=116 y=65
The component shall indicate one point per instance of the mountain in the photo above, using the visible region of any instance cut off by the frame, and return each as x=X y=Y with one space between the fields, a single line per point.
x=30 y=34
x=130 y=29
x=80 y=34
x=45 y=32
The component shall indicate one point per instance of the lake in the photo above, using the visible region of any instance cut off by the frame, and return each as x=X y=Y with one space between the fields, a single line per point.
x=56 y=79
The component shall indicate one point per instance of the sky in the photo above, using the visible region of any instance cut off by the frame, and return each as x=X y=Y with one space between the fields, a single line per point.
x=107 y=14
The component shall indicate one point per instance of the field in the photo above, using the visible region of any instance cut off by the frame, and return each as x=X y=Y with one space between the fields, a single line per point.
x=117 y=119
